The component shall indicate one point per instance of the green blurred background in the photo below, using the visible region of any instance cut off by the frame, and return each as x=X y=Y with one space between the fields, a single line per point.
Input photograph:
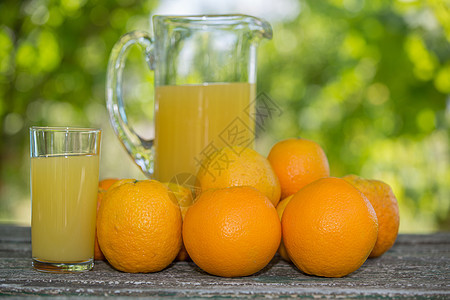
x=368 y=80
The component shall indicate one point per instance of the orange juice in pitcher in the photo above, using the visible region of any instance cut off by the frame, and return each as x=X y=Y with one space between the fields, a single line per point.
x=192 y=119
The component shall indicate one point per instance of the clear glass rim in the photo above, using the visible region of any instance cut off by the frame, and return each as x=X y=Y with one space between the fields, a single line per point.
x=220 y=21
x=204 y=17
x=226 y=19
x=64 y=129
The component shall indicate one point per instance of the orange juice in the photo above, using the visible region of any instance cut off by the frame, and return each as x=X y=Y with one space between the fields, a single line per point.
x=193 y=120
x=64 y=201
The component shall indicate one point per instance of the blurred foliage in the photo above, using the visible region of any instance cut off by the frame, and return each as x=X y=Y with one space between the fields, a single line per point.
x=368 y=80
x=53 y=58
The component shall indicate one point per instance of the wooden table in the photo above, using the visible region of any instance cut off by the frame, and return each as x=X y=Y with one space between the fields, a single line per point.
x=417 y=266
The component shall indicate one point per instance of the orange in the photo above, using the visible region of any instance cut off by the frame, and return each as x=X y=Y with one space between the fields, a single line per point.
x=239 y=166
x=329 y=228
x=280 y=209
x=297 y=162
x=232 y=232
x=103 y=186
x=385 y=204
x=185 y=200
x=139 y=226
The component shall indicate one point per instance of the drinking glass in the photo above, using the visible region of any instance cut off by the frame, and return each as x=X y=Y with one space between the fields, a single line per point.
x=64 y=185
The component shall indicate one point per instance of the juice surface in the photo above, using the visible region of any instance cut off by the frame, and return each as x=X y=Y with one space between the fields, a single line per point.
x=193 y=120
x=64 y=203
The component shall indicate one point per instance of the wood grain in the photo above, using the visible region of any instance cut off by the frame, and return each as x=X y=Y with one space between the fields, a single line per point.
x=417 y=266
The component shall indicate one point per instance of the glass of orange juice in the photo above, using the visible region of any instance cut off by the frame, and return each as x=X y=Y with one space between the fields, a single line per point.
x=64 y=184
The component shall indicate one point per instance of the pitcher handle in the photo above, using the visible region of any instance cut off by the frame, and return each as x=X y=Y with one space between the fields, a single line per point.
x=140 y=149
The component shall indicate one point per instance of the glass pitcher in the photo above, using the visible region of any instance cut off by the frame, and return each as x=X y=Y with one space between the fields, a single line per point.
x=205 y=77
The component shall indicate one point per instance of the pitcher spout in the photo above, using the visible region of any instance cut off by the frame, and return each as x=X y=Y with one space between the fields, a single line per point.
x=260 y=28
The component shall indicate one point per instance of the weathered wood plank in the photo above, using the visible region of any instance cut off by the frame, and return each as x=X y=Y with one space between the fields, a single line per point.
x=417 y=266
